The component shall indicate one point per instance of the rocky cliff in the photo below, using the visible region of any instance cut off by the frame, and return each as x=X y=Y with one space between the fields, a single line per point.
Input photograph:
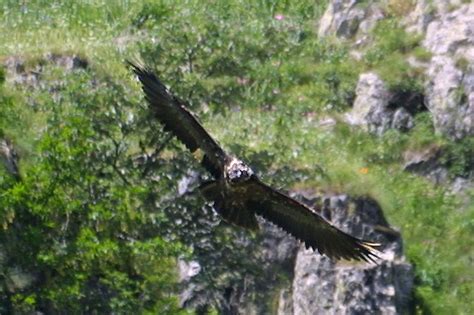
x=309 y=283
x=269 y=272
x=446 y=28
x=317 y=285
x=447 y=31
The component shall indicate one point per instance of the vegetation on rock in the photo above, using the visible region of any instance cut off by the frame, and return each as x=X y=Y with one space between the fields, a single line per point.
x=96 y=219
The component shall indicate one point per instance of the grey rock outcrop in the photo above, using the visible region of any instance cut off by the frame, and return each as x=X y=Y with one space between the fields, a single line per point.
x=341 y=18
x=9 y=157
x=373 y=107
x=285 y=302
x=426 y=162
x=188 y=269
x=449 y=88
x=450 y=84
x=322 y=286
x=17 y=279
x=272 y=256
x=19 y=72
x=448 y=31
x=451 y=31
x=402 y=119
x=349 y=19
x=311 y=283
x=371 y=104
x=418 y=19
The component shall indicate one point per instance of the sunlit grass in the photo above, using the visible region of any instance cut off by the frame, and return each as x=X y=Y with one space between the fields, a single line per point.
x=437 y=235
x=95 y=29
x=359 y=164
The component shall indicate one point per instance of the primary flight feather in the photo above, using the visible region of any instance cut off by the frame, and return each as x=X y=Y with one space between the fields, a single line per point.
x=238 y=194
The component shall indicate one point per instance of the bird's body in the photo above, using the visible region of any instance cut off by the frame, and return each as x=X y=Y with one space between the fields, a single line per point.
x=229 y=194
x=236 y=172
x=238 y=195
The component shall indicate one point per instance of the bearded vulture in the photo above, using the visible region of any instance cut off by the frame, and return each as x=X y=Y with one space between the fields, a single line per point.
x=238 y=195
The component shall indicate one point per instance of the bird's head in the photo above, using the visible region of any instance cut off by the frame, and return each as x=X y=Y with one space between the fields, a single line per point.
x=237 y=171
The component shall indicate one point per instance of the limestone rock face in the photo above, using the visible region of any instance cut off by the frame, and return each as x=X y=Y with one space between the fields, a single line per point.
x=373 y=107
x=272 y=256
x=349 y=19
x=447 y=29
x=450 y=84
x=293 y=280
x=418 y=19
x=322 y=286
x=402 y=119
x=426 y=162
x=342 y=18
x=21 y=73
x=451 y=31
x=450 y=96
x=370 y=106
x=9 y=157
x=285 y=302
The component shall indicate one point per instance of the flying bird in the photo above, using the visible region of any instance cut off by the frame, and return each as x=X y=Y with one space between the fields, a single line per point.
x=238 y=195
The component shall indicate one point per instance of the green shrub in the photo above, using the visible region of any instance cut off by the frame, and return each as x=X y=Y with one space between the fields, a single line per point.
x=78 y=217
x=462 y=64
x=91 y=216
x=387 y=56
x=422 y=54
x=458 y=157
x=400 y=8
x=2 y=75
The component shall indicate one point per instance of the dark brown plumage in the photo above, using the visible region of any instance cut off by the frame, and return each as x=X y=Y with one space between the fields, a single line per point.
x=237 y=193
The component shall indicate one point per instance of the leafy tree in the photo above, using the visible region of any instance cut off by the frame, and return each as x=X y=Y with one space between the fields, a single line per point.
x=81 y=225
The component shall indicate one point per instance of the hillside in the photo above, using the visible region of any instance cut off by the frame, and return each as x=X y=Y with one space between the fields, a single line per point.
x=358 y=109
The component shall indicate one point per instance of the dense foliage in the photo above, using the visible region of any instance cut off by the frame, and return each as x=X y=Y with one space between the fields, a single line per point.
x=96 y=221
x=80 y=223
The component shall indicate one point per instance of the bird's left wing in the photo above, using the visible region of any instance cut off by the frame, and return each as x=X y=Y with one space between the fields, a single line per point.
x=306 y=225
x=175 y=117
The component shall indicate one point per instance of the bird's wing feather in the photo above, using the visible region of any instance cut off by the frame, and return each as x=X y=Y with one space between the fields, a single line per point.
x=231 y=212
x=306 y=225
x=176 y=118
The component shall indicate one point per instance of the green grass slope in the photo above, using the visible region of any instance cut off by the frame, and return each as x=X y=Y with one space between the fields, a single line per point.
x=261 y=81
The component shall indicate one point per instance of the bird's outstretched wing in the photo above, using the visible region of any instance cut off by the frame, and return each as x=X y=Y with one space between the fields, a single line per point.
x=306 y=225
x=175 y=117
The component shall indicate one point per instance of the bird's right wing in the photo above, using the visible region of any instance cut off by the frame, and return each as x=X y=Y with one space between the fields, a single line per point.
x=306 y=225
x=176 y=118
